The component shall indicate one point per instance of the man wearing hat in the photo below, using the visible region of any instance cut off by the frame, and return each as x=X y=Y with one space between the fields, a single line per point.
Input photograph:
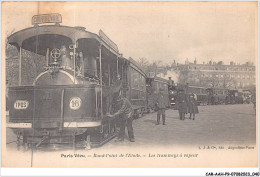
x=161 y=105
x=125 y=113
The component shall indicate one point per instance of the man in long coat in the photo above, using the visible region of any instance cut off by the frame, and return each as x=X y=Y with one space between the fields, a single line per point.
x=161 y=106
x=182 y=104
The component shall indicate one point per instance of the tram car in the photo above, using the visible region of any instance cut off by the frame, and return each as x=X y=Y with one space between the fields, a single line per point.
x=134 y=86
x=153 y=87
x=238 y=96
x=200 y=92
x=217 y=95
x=76 y=76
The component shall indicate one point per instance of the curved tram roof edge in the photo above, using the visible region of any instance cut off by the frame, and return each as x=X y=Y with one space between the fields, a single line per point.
x=74 y=33
x=135 y=66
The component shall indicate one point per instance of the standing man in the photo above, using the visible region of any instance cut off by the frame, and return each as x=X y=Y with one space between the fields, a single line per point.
x=182 y=104
x=193 y=106
x=125 y=111
x=161 y=107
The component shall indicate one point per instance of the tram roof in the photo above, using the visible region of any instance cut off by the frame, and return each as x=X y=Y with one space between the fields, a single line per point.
x=136 y=66
x=158 y=79
x=74 y=33
x=161 y=79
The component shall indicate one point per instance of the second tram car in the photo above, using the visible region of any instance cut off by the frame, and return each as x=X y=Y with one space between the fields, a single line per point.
x=153 y=86
x=200 y=92
x=217 y=95
x=135 y=87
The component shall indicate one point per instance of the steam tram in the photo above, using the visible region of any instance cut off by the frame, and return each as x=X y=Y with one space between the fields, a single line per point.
x=78 y=73
x=73 y=78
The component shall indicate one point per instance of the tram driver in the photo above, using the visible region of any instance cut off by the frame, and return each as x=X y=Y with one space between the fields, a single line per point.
x=66 y=61
x=80 y=63
x=124 y=110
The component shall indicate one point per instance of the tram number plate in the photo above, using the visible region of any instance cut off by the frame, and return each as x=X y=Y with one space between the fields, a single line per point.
x=21 y=104
x=75 y=103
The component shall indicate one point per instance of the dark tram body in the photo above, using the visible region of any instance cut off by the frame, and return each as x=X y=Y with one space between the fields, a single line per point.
x=77 y=77
x=216 y=96
x=153 y=87
x=135 y=87
x=78 y=73
x=200 y=92
x=238 y=97
x=213 y=96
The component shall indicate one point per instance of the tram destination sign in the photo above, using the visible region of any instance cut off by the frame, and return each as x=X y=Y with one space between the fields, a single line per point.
x=46 y=18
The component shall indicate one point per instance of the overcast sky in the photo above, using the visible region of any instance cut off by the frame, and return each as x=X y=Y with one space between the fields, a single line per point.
x=157 y=30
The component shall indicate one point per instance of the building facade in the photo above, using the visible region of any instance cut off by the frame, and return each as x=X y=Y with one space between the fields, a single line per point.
x=216 y=74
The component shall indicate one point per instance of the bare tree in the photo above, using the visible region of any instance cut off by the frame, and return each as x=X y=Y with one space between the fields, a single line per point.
x=143 y=62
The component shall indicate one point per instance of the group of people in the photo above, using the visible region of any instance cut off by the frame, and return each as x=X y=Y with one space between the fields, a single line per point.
x=187 y=103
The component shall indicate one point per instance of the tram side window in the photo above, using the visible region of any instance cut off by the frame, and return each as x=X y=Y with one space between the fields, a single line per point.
x=165 y=88
x=137 y=80
x=134 y=79
x=90 y=66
